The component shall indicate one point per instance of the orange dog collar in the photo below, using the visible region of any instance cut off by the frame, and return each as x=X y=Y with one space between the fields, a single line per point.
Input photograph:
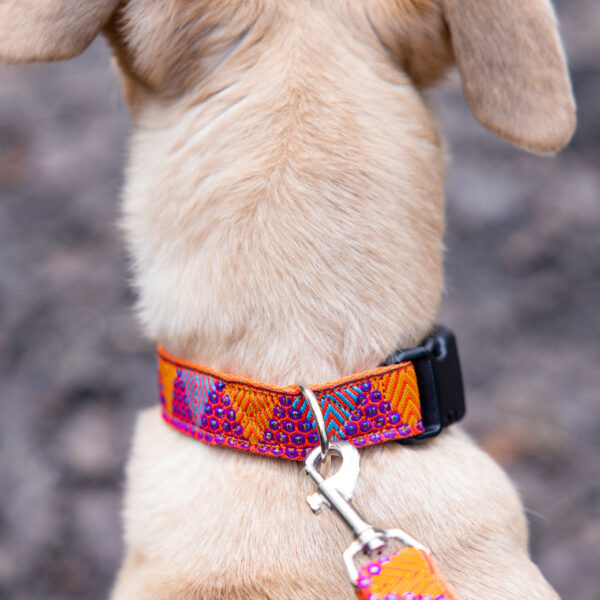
x=414 y=395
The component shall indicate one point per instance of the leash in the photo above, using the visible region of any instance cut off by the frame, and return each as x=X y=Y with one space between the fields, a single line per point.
x=413 y=396
x=410 y=574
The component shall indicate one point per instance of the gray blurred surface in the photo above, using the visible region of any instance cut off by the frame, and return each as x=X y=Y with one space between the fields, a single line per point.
x=523 y=283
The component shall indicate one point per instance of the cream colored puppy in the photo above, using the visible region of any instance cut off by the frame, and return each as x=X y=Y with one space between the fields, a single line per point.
x=284 y=207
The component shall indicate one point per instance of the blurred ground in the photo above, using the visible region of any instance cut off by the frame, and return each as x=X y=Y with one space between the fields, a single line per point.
x=523 y=287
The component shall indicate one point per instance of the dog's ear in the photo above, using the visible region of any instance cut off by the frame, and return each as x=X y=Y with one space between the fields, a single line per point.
x=513 y=70
x=44 y=30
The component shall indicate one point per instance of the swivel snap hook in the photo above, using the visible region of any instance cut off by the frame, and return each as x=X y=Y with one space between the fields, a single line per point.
x=336 y=492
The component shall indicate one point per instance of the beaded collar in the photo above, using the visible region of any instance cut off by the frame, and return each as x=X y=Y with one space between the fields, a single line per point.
x=413 y=396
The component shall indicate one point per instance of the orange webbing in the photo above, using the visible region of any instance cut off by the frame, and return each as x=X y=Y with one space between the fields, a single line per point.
x=410 y=574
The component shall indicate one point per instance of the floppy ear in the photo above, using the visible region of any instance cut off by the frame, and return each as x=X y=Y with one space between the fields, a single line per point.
x=513 y=70
x=43 y=30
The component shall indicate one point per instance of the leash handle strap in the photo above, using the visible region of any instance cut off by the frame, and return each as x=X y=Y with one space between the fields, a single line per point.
x=410 y=574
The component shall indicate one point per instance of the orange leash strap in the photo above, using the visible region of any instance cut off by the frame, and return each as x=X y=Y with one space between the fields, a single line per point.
x=410 y=574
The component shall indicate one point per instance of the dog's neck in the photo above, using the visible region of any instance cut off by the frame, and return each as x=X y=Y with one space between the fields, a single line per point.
x=278 y=233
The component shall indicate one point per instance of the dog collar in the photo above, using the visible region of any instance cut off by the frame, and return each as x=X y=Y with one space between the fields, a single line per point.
x=414 y=395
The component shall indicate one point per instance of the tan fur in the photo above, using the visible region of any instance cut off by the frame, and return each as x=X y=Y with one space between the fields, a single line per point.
x=513 y=70
x=284 y=208
x=36 y=30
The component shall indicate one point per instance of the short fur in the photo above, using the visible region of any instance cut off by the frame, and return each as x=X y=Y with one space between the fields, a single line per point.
x=284 y=208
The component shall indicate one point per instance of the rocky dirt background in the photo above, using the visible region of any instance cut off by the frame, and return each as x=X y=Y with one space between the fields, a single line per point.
x=523 y=293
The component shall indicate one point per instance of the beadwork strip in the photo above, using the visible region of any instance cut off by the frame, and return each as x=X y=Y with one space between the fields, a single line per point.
x=223 y=410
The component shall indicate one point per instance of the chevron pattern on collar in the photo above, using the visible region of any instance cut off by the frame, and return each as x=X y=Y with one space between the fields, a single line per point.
x=368 y=408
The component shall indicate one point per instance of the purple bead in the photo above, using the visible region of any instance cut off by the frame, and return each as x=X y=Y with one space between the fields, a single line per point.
x=231 y=414
x=279 y=412
x=374 y=568
x=356 y=415
x=313 y=438
x=208 y=409
x=350 y=429
x=289 y=426
x=380 y=421
x=375 y=438
x=385 y=407
x=297 y=439
x=388 y=434
x=268 y=436
x=208 y=437
x=273 y=424
x=359 y=441
x=404 y=430
x=365 y=386
x=226 y=425
x=365 y=426
x=276 y=451
x=364 y=581
x=375 y=395
x=213 y=397
x=291 y=452
x=219 y=439
x=220 y=386
x=295 y=414
x=360 y=399
x=371 y=410
x=282 y=438
x=408 y=596
x=226 y=400
x=285 y=400
x=392 y=596
x=245 y=446
x=214 y=424
x=305 y=426
x=204 y=421
x=219 y=411
x=394 y=418
x=238 y=430
x=420 y=425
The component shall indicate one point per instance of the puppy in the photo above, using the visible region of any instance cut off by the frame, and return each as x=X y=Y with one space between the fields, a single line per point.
x=284 y=209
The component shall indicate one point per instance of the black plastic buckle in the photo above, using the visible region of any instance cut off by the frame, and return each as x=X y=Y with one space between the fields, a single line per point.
x=439 y=379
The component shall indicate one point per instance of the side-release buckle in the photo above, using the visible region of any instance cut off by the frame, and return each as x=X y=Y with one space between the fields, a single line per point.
x=439 y=378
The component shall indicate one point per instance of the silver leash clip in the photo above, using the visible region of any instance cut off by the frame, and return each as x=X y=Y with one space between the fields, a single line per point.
x=336 y=493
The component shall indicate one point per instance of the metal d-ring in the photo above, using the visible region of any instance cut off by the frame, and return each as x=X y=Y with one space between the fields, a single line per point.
x=310 y=397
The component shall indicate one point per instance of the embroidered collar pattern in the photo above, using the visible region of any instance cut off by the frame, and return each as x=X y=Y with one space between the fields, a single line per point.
x=223 y=410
